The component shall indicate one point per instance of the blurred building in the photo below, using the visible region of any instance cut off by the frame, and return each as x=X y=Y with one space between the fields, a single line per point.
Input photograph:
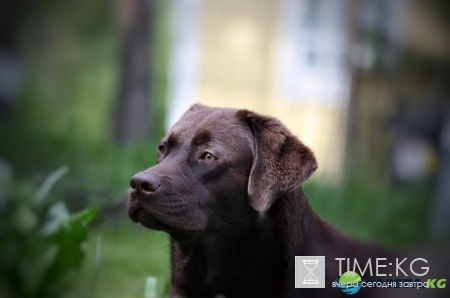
x=314 y=64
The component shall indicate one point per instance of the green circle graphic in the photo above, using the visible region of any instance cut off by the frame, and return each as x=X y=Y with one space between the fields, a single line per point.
x=350 y=277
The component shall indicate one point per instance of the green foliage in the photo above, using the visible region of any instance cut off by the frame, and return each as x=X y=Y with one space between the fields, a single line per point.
x=41 y=242
x=130 y=253
x=373 y=211
x=65 y=112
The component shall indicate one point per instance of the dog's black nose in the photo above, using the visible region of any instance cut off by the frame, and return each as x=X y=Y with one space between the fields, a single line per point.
x=143 y=184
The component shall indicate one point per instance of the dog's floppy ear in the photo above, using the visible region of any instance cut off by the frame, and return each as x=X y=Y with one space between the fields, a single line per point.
x=280 y=163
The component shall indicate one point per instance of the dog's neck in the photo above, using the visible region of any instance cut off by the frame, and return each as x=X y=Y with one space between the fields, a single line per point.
x=209 y=259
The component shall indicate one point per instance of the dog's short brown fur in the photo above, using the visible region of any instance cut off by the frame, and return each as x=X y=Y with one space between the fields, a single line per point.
x=226 y=188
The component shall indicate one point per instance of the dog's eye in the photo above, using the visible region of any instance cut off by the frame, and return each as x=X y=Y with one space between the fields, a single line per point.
x=161 y=149
x=208 y=156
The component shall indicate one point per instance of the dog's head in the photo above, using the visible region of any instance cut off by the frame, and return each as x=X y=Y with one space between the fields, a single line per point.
x=217 y=167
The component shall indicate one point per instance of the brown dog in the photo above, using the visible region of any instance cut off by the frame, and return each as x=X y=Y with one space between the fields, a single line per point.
x=226 y=188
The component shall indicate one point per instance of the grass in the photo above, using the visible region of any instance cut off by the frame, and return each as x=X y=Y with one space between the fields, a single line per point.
x=128 y=255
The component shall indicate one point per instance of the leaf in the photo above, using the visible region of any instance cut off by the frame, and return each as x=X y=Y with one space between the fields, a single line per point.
x=166 y=289
x=84 y=217
x=35 y=261
x=70 y=239
x=48 y=184
x=56 y=216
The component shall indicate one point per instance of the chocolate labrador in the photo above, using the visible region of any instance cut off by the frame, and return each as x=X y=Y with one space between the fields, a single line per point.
x=226 y=188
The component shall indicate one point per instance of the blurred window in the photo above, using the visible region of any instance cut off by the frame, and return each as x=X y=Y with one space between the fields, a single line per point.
x=311 y=56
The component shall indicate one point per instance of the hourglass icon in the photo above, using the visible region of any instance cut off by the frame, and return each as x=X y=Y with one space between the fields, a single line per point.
x=310 y=278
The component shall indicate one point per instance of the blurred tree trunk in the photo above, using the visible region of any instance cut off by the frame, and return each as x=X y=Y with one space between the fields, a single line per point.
x=354 y=35
x=11 y=68
x=133 y=120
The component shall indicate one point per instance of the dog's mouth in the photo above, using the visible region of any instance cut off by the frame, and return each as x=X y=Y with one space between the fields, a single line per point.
x=170 y=216
x=138 y=214
x=134 y=215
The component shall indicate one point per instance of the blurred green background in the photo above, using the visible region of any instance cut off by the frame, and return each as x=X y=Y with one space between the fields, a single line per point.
x=70 y=58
